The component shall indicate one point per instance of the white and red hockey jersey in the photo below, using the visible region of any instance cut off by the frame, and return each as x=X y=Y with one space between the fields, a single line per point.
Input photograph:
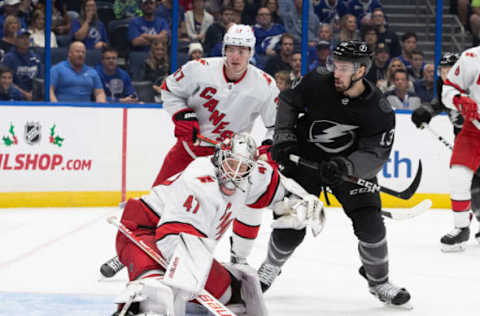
x=464 y=77
x=222 y=107
x=192 y=202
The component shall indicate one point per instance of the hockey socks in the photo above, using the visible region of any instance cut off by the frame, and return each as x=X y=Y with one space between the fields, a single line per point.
x=374 y=257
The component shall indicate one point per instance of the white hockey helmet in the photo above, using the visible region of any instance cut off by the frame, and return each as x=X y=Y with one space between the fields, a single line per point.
x=239 y=35
x=235 y=159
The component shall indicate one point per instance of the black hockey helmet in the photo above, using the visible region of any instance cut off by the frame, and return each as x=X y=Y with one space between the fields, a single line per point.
x=354 y=51
x=448 y=59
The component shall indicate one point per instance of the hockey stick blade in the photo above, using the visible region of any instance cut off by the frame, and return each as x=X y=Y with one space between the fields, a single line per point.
x=415 y=211
x=405 y=194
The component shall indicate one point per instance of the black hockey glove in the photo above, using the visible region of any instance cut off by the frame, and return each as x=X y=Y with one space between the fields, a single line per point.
x=420 y=116
x=332 y=171
x=280 y=152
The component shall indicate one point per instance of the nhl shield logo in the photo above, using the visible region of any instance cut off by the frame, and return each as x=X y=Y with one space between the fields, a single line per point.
x=32 y=132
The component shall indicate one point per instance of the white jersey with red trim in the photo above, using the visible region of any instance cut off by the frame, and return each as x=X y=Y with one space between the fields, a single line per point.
x=222 y=107
x=463 y=77
x=192 y=202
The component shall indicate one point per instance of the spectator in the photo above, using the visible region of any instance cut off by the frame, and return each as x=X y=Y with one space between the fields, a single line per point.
x=11 y=7
x=296 y=66
x=124 y=9
x=142 y=31
x=415 y=72
x=424 y=87
x=10 y=28
x=195 y=51
x=282 y=78
x=386 y=35
x=73 y=81
x=330 y=11
x=378 y=71
x=293 y=24
x=61 y=22
x=217 y=30
x=89 y=29
x=8 y=92
x=387 y=84
x=400 y=97
x=238 y=7
x=281 y=61
x=325 y=33
x=156 y=66
x=37 y=29
x=116 y=82
x=267 y=34
x=370 y=36
x=348 y=29
x=164 y=12
x=272 y=5
x=323 y=60
x=25 y=64
x=362 y=10
x=197 y=21
x=409 y=44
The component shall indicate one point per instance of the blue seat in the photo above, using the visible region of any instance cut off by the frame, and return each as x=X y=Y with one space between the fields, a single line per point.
x=58 y=54
x=93 y=57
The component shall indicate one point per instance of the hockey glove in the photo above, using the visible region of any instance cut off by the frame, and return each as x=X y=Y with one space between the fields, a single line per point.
x=421 y=115
x=186 y=125
x=467 y=106
x=332 y=171
x=284 y=145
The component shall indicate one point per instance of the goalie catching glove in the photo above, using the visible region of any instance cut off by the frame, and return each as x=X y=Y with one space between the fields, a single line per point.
x=296 y=213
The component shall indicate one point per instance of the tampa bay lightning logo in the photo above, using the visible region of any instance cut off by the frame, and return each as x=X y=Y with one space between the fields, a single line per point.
x=331 y=137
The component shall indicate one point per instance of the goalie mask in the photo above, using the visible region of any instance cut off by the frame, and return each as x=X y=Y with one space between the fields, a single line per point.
x=235 y=160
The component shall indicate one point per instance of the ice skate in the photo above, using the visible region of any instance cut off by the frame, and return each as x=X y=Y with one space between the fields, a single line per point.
x=267 y=273
x=391 y=294
x=455 y=240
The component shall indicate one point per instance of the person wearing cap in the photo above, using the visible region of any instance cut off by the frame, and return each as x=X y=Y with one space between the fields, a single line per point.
x=195 y=51
x=11 y=7
x=378 y=71
x=24 y=63
x=143 y=30
x=323 y=59
x=89 y=29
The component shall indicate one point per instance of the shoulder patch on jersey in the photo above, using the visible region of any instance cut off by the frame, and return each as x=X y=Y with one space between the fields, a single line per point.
x=202 y=61
x=267 y=77
x=470 y=54
x=384 y=105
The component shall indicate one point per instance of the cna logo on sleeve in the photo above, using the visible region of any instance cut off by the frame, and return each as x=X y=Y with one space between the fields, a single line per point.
x=397 y=166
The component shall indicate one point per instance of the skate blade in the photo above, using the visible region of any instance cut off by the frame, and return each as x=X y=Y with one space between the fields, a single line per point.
x=477 y=238
x=406 y=306
x=453 y=248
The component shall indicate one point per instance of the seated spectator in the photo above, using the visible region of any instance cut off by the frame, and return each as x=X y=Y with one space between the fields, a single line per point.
x=89 y=29
x=362 y=9
x=142 y=31
x=409 y=44
x=272 y=5
x=296 y=66
x=217 y=30
x=387 y=84
x=325 y=33
x=197 y=21
x=195 y=51
x=267 y=34
x=386 y=35
x=124 y=9
x=378 y=71
x=164 y=11
x=323 y=60
x=282 y=78
x=330 y=11
x=10 y=29
x=11 y=7
x=73 y=81
x=400 y=97
x=61 y=22
x=415 y=72
x=37 y=29
x=116 y=82
x=281 y=61
x=370 y=36
x=424 y=87
x=24 y=63
x=8 y=92
x=238 y=7
x=156 y=66
x=348 y=29
x=292 y=21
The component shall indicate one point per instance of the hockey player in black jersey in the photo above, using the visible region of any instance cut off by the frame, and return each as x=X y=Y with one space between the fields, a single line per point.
x=454 y=240
x=343 y=122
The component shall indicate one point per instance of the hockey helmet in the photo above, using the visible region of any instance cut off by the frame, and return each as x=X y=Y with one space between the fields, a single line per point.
x=448 y=59
x=239 y=35
x=235 y=159
x=354 y=51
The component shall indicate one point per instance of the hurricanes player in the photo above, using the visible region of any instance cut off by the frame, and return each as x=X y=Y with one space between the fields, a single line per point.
x=216 y=97
x=461 y=91
x=203 y=201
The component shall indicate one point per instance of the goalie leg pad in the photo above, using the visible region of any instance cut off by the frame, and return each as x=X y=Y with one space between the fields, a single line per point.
x=161 y=299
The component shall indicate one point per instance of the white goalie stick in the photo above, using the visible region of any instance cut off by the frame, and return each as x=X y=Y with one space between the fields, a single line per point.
x=205 y=298
x=415 y=211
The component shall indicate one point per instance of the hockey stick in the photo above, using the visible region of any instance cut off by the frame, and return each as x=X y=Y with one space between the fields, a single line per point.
x=418 y=209
x=438 y=136
x=204 y=298
x=405 y=194
x=111 y=267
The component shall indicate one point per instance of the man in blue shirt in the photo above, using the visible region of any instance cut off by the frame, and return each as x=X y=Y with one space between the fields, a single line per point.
x=267 y=34
x=330 y=11
x=24 y=63
x=73 y=81
x=142 y=31
x=116 y=82
x=7 y=91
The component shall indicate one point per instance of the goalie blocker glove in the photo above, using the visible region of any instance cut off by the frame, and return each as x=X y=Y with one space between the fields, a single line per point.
x=186 y=125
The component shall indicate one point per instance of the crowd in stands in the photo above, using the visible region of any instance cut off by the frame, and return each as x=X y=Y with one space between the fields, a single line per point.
x=119 y=50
